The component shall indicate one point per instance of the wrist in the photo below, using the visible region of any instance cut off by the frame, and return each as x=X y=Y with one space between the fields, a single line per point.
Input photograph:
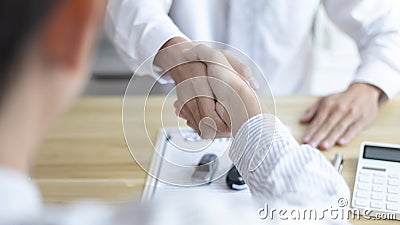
x=171 y=55
x=375 y=92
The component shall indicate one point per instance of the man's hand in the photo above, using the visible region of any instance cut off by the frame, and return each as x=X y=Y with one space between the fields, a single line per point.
x=196 y=100
x=230 y=81
x=338 y=118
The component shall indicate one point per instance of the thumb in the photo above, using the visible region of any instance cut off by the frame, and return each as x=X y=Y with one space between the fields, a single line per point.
x=242 y=69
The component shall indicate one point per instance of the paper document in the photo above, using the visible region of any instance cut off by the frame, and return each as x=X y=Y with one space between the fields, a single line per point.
x=177 y=152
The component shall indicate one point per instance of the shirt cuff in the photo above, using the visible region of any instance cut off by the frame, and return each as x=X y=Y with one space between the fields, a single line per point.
x=381 y=75
x=20 y=198
x=263 y=138
x=157 y=36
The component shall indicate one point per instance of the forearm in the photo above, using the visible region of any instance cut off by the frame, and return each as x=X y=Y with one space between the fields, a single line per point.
x=275 y=166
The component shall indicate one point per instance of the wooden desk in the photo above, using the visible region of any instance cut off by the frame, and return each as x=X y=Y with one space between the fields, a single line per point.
x=86 y=155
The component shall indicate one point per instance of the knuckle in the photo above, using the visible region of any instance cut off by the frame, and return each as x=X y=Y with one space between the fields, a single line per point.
x=363 y=117
x=342 y=108
x=215 y=54
x=328 y=102
x=353 y=112
x=246 y=70
x=243 y=67
x=201 y=47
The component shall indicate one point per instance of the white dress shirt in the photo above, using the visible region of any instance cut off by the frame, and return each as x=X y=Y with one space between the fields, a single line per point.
x=276 y=34
x=289 y=176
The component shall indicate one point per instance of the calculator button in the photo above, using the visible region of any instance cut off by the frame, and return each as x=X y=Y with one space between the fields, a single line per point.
x=365 y=172
x=360 y=202
x=393 y=198
x=378 y=180
x=394 y=175
x=393 y=190
x=393 y=182
x=377 y=196
x=362 y=194
x=362 y=186
x=392 y=206
x=378 y=188
x=364 y=179
x=377 y=205
x=379 y=174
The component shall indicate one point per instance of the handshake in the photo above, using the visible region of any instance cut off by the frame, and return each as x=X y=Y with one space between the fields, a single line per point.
x=215 y=91
x=216 y=96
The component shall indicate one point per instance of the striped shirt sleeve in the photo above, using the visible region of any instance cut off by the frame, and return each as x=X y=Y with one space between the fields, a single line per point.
x=278 y=169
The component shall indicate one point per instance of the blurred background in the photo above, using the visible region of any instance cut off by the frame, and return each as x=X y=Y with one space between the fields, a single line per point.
x=335 y=54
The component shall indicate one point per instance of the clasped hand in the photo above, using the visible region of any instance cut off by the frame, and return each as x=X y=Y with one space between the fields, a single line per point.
x=214 y=90
x=215 y=97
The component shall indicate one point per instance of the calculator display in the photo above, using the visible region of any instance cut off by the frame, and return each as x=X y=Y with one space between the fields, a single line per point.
x=381 y=153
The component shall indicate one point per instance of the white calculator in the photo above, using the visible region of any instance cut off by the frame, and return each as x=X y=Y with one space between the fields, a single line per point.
x=377 y=183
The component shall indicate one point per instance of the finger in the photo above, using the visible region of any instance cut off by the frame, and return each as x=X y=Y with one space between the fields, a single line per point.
x=182 y=115
x=192 y=107
x=208 y=108
x=177 y=107
x=223 y=135
x=320 y=117
x=351 y=132
x=241 y=68
x=204 y=53
x=337 y=132
x=208 y=55
x=190 y=118
x=310 y=113
x=223 y=113
x=327 y=126
x=191 y=125
x=212 y=125
x=219 y=71
x=178 y=110
x=206 y=130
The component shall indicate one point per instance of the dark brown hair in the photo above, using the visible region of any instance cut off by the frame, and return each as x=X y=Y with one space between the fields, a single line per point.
x=19 y=20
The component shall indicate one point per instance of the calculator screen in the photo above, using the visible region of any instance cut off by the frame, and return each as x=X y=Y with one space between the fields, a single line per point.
x=382 y=153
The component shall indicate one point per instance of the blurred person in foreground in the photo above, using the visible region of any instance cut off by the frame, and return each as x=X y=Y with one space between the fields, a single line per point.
x=277 y=35
x=46 y=48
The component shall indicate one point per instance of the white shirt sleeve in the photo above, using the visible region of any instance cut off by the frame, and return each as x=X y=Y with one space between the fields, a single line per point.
x=375 y=26
x=19 y=198
x=283 y=173
x=138 y=29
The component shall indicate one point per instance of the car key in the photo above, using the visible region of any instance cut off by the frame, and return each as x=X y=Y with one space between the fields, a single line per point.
x=234 y=180
x=205 y=169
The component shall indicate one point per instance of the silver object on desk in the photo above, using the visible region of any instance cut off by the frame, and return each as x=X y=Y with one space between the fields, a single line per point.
x=206 y=169
x=338 y=162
